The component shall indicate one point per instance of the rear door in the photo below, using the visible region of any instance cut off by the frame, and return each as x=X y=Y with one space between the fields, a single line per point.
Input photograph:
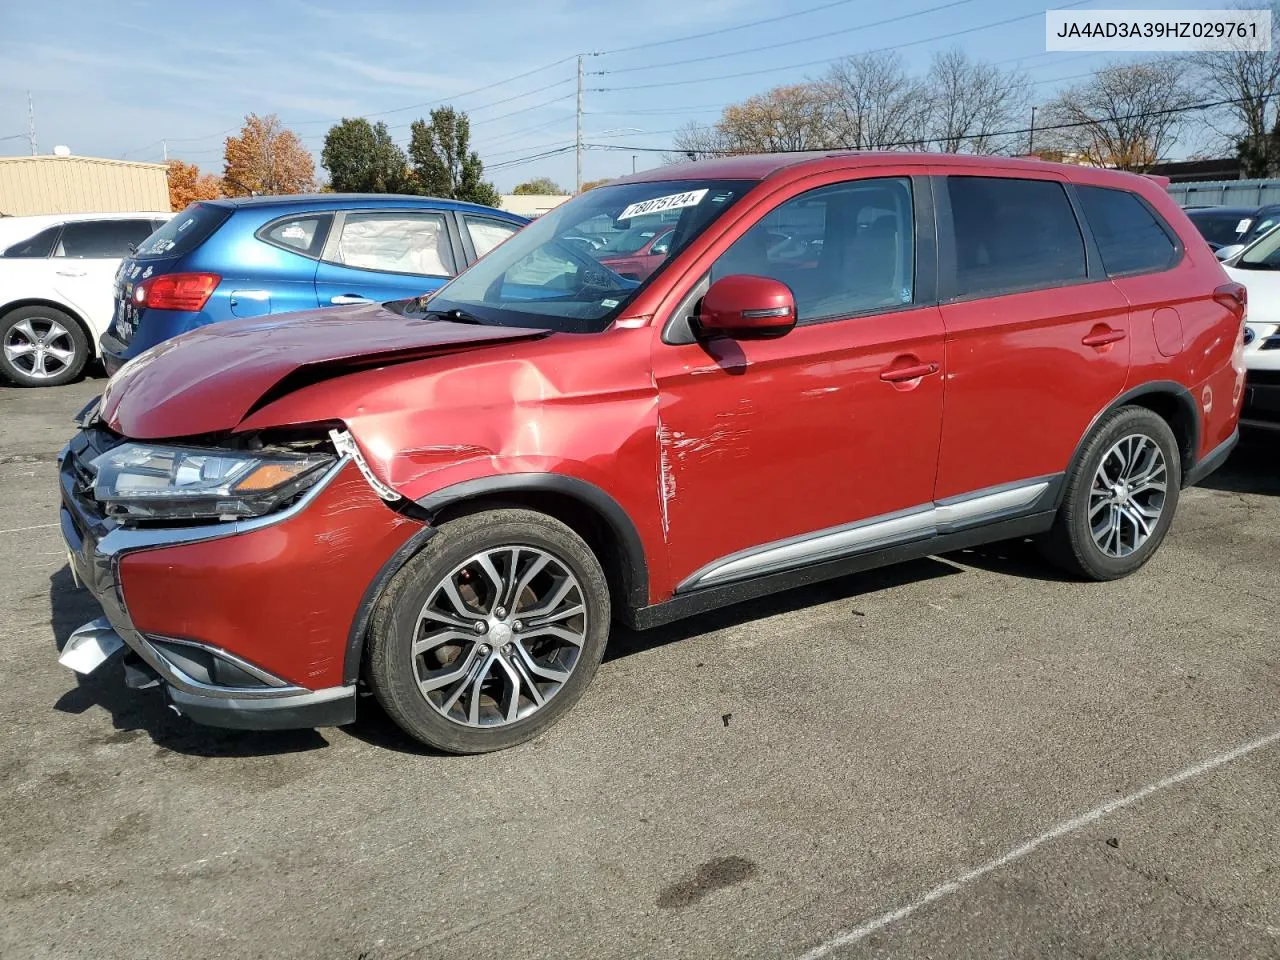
x=1036 y=335
x=385 y=255
x=85 y=261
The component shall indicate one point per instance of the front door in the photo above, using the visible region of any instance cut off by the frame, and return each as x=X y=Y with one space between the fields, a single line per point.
x=836 y=422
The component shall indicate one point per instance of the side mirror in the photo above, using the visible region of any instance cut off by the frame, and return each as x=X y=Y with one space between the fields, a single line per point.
x=747 y=308
x=1229 y=251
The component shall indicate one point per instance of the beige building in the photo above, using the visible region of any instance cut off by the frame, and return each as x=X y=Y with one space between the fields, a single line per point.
x=531 y=204
x=35 y=185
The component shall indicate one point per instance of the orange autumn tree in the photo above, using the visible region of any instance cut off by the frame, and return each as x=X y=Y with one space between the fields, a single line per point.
x=187 y=185
x=266 y=159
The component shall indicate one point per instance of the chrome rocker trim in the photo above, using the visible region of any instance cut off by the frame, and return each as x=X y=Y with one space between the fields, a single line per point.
x=914 y=523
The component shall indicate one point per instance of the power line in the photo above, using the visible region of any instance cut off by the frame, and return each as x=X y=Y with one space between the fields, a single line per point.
x=790 y=43
x=723 y=30
x=814 y=63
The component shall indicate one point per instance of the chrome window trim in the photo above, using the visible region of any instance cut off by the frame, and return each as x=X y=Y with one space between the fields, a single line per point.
x=926 y=520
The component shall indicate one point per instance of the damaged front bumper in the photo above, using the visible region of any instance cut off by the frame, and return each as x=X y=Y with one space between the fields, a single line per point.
x=206 y=683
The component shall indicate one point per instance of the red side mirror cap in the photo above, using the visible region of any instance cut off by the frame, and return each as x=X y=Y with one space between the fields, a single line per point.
x=747 y=308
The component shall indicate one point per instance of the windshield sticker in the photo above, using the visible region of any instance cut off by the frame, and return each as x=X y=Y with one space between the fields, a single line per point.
x=608 y=304
x=690 y=198
x=1243 y=225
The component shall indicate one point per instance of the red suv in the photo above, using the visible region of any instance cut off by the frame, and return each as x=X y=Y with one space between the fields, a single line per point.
x=448 y=500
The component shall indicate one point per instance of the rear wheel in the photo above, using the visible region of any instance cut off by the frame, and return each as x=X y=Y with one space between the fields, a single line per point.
x=41 y=347
x=1120 y=498
x=491 y=633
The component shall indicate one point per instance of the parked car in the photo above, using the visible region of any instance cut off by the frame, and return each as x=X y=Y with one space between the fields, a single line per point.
x=55 y=290
x=638 y=264
x=249 y=257
x=1258 y=268
x=1228 y=230
x=451 y=503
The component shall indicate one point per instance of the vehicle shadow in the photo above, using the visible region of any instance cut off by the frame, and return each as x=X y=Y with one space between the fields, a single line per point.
x=146 y=710
x=1015 y=558
x=373 y=726
x=1253 y=467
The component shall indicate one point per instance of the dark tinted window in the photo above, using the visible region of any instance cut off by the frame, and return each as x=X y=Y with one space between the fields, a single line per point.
x=41 y=245
x=304 y=235
x=843 y=249
x=1128 y=236
x=1216 y=227
x=1013 y=235
x=184 y=232
x=101 y=239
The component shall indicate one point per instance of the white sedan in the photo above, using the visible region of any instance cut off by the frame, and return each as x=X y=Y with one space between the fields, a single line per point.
x=56 y=275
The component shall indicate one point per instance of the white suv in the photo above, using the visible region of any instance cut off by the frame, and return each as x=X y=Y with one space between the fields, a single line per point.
x=1258 y=268
x=56 y=275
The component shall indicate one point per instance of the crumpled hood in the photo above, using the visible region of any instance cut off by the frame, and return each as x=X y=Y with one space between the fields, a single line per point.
x=206 y=381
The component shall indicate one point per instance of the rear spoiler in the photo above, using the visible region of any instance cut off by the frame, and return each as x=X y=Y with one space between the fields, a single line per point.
x=1163 y=181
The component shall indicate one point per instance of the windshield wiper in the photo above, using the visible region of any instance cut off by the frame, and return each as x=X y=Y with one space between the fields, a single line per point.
x=456 y=316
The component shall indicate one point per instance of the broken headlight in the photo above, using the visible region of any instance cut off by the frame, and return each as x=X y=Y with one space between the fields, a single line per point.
x=146 y=481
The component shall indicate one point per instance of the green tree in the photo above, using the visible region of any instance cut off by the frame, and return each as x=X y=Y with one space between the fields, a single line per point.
x=444 y=165
x=539 y=186
x=362 y=158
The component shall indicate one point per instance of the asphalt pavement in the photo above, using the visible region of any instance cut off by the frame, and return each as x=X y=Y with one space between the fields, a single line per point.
x=959 y=757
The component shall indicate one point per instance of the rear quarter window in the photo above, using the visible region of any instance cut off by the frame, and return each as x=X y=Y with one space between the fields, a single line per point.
x=186 y=231
x=1130 y=236
x=299 y=234
x=41 y=245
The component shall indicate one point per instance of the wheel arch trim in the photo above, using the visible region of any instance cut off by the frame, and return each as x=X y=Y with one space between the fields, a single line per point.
x=1165 y=388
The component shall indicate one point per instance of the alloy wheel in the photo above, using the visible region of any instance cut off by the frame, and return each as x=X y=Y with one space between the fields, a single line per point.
x=1127 y=495
x=499 y=636
x=40 y=347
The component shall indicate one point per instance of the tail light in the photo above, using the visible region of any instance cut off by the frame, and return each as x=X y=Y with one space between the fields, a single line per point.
x=1234 y=297
x=176 y=291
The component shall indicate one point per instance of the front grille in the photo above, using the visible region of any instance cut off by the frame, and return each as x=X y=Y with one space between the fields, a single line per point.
x=85 y=446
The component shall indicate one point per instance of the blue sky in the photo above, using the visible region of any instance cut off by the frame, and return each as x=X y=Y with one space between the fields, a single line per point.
x=114 y=78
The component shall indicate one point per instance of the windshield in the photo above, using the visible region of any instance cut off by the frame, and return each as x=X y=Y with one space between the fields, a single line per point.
x=1264 y=254
x=1221 y=228
x=555 y=274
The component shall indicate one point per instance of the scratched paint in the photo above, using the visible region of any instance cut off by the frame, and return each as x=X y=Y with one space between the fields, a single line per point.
x=666 y=475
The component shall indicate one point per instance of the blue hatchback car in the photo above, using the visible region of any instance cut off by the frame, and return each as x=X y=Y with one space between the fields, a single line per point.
x=247 y=257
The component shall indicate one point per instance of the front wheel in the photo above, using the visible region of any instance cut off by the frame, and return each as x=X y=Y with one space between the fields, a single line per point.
x=490 y=633
x=1120 y=497
x=41 y=347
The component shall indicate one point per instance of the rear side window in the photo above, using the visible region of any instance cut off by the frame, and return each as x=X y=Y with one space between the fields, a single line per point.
x=41 y=245
x=415 y=243
x=184 y=232
x=486 y=233
x=101 y=239
x=1012 y=235
x=304 y=235
x=1129 y=237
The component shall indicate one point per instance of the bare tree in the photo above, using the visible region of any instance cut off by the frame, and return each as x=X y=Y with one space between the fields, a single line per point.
x=696 y=141
x=1126 y=116
x=971 y=102
x=786 y=118
x=876 y=103
x=1251 y=79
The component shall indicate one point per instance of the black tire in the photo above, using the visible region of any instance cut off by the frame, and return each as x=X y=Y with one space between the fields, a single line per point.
x=1071 y=544
x=42 y=320
x=391 y=667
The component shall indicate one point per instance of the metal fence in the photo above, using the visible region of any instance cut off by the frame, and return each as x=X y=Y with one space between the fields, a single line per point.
x=1226 y=193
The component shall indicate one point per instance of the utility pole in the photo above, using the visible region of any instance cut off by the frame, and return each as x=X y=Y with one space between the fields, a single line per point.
x=633 y=163
x=1031 y=138
x=31 y=123
x=165 y=146
x=578 y=150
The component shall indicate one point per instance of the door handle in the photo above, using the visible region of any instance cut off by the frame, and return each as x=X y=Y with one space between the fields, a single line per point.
x=349 y=298
x=1102 y=337
x=913 y=372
